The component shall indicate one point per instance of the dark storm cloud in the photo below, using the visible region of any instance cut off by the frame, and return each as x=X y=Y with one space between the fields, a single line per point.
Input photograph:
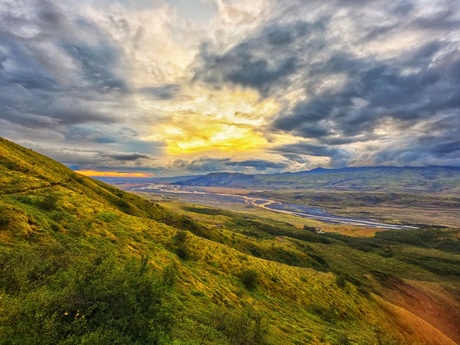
x=402 y=8
x=445 y=142
x=202 y=164
x=51 y=116
x=31 y=82
x=260 y=62
x=301 y=153
x=313 y=150
x=334 y=141
x=97 y=64
x=79 y=116
x=348 y=63
x=28 y=120
x=375 y=90
x=444 y=19
x=95 y=159
x=128 y=156
x=62 y=90
x=442 y=148
x=152 y=148
x=102 y=134
x=258 y=164
x=163 y=92
x=297 y=158
x=360 y=81
x=258 y=73
x=57 y=69
x=97 y=60
x=207 y=164
x=42 y=34
x=243 y=68
x=436 y=143
x=439 y=152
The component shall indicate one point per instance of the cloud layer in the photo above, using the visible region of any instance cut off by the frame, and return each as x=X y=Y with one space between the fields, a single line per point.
x=253 y=87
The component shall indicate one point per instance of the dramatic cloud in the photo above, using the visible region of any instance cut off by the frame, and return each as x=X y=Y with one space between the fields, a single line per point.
x=268 y=60
x=260 y=86
x=338 y=156
x=258 y=164
x=58 y=72
x=207 y=164
x=202 y=164
x=162 y=92
x=349 y=74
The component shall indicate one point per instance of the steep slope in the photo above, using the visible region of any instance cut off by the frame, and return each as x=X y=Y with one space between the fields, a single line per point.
x=83 y=262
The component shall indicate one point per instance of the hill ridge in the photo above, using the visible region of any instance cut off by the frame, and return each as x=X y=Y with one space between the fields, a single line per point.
x=80 y=260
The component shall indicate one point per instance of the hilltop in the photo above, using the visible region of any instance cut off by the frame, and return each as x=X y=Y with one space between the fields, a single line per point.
x=82 y=262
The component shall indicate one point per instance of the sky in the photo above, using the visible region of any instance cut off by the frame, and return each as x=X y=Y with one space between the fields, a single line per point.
x=180 y=87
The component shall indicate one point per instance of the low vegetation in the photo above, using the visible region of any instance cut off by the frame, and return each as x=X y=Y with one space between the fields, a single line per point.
x=82 y=262
x=99 y=300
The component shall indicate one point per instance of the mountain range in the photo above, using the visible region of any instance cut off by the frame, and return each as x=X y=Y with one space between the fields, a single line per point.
x=410 y=179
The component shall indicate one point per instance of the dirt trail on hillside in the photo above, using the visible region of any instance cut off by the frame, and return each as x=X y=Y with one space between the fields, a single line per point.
x=30 y=189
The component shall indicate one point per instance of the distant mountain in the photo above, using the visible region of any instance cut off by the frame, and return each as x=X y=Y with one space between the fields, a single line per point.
x=376 y=169
x=409 y=179
x=220 y=179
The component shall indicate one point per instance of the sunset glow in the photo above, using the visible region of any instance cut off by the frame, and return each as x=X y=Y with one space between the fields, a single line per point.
x=186 y=87
x=93 y=173
x=226 y=138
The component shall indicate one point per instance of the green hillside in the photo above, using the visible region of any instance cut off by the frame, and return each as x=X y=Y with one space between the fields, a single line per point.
x=82 y=262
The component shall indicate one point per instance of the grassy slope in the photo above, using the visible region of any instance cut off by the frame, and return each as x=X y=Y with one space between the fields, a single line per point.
x=424 y=258
x=296 y=290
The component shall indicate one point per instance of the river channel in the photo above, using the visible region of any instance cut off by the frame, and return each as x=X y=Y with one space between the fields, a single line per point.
x=218 y=200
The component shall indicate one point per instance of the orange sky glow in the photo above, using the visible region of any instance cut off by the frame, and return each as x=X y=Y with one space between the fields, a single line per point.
x=94 y=173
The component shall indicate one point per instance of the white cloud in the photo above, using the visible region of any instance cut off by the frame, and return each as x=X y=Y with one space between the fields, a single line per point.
x=225 y=78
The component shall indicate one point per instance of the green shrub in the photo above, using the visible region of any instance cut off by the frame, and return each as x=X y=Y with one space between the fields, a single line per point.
x=107 y=217
x=341 y=281
x=24 y=199
x=170 y=274
x=328 y=314
x=10 y=165
x=343 y=339
x=55 y=227
x=249 y=278
x=183 y=252
x=52 y=296
x=180 y=236
x=57 y=216
x=187 y=223
x=4 y=220
x=180 y=245
x=245 y=327
x=75 y=229
x=123 y=206
x=48 y=202
x=197 y=293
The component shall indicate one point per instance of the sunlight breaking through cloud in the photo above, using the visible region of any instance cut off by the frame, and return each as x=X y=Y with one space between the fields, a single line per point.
x=374 y=84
